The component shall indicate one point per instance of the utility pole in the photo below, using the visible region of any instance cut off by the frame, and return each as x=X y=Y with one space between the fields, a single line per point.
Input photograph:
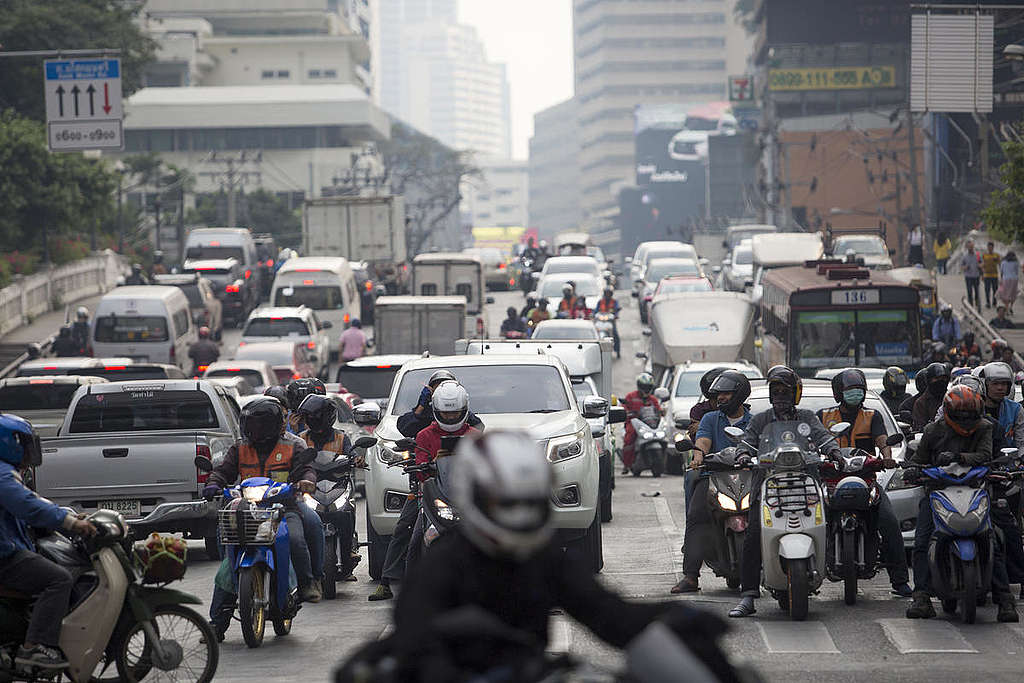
x=915 y=188
x=233 y=176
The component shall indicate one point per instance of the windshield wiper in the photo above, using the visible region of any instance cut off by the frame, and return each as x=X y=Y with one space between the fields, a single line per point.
x=543 y=410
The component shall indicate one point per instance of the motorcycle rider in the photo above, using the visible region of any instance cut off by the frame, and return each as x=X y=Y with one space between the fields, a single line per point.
x=967 y=347
x=514 y=324
x=540 y=312
x=640 y=403
x=907 y=406
x=531 y=303
x=867 y=432
x=502 y=558
x=580 y=310
x=21 y=568
x=137 y=276
x=784 y=391
x=608 y=304
x=80 y=331
x=266 y=451
x=731 y=390
x=928 y=401
x=64 y=346
x=204 y=352
x=422 y=415
x=296 y=391
x=946 y=328
x=894 y=388
x=963 y=436
x=568 y=302
x=278 y=393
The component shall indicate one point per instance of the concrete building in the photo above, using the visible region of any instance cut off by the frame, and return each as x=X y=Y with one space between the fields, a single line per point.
x=499 y=198
x=629 y=53
x=554 y=170
x=390 y=17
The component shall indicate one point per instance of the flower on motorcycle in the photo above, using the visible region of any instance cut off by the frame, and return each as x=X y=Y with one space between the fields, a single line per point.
x=254 y=494
x=444 y=511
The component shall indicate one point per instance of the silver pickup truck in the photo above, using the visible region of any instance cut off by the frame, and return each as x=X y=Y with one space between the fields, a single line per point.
x=131 y=446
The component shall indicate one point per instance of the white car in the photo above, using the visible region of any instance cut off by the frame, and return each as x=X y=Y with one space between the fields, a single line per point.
x=291 y=323
x=573 y=264
x=565 y=329
x=550 y=288
x=871 y=248
x=505 y=391
x=639 y=259
x=259 y=373
x=659 y=268
x=740 y=273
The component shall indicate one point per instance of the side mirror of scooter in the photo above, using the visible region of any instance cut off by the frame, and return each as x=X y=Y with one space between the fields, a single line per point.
x=895 y=439
x=405 y=445
x=684 y=444
x=365 y=442
x=840 y=428
x=616 y=415
x=203 y=464
x=734 y=433
x=683 y=423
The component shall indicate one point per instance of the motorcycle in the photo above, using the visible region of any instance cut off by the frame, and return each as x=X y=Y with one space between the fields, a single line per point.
x=115 y=618
x=332 y=501
x=604 y=321
x=651 y=445
x=729 y=491
x=438 y=513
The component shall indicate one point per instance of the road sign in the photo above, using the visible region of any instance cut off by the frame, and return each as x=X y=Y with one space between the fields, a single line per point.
x=741 y=88
x=83 y=103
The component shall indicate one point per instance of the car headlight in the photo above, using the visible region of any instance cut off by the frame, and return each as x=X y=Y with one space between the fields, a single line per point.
x=254 y=494
x=444 y=511
x=745 y=502
x=388 y=453
x=566 y=447
x=310 y=501
x=726 y=503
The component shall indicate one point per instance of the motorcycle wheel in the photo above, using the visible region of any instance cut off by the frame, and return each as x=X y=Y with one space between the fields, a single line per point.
x=212 y=548
x=969 y=572
x=849 y=568
x=283 y=625
x=799 y=591
x=188 y=642
x=657 y=462
x=252 y=605
x=949 y=605
x=331 y=568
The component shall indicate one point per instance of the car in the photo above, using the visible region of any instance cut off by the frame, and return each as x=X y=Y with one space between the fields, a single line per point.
x=207 y=310
x=574 y=264
x=565 y=329
x=235 y=291
x=587 y=285
x=584 y=388
x=526 y=391
x=683 y=283
x=663 y=250
x=70 y=365
x=739 y=275
x=120 y=371
x=656 y=270
x=289 y=359
x=371 y=377
x=42 y=400
x=259 y=373
x=871 y=248
x=497 y=275
x=291 y=323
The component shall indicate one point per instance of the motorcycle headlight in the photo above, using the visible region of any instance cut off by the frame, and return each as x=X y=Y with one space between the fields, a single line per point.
x=310 y=501
x=745 y=502
x=254 y=494
x=726 y=503
x=444 y=511
x=659 y=434
x=565 y=447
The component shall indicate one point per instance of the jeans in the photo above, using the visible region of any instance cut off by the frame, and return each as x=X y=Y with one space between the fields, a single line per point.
x=973 y=291
x=940 y=265
x=697 y=539
x=394 y=561
x=991 y=287
x=50 y=584
x=690 y=478
x=313 y=529
x=299 y=549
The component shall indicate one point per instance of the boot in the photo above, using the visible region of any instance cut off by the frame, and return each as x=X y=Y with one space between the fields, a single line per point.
x=1007 y=610
x=921 y=607
x=383 y=592
x=311 y=593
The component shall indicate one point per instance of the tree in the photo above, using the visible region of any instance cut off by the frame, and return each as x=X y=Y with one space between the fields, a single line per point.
x=745 y=11
x=67 y=25
x=1004 y=214
x=261 y=211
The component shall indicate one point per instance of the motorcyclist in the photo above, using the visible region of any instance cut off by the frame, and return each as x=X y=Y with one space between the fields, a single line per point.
x=867 y=432
x=80 y=331
x=540 y=312
x=568 y=301
x=608 y=304
x=531 y=252
x=967 y=347
x=580 y=310
x=296 y=391
x=513 y=326
x=531 y=303
x=997 y=347
x=503 y=559
x=137 y=276
x=21 y=568
x=422 y=415
x=159 y=268
x=266 y=451
x=702 y=408
x=319 y=414
x=204 y=352
x=64 y=345
x=961 y=436
x=894 y=388
x=928 y=401
x=946 y=328
x=278 y=393
x=907 y=405
x=641 y=404
x=731 y=390
x=784 y=391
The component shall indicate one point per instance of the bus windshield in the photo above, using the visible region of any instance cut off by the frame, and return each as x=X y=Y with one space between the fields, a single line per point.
x=874 y=338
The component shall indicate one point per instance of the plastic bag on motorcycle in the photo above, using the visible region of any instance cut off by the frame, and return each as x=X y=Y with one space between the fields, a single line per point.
x=161 y=558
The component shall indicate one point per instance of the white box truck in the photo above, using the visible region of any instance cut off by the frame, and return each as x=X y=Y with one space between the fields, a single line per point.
x=414 y=324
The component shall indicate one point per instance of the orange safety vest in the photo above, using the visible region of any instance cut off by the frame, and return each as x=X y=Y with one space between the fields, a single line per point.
x=567 y=304
x=335 y=445
x=605 y=306
x=276 y=466
x=859 y=435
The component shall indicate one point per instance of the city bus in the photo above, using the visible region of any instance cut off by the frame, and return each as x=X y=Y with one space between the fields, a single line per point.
x=830 y=314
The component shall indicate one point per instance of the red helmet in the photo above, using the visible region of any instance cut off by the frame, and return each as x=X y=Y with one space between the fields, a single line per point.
x=204 y=332
x=962 y=409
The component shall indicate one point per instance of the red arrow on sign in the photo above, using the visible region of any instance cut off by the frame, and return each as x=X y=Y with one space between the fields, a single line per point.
x=106 y=98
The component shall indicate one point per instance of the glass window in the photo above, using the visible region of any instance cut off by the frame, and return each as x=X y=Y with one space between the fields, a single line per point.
x=267 y=73
x=494 y=389
x=886 y=338
x=276 y=327
x=127 y=373
x=369 y=382
x=859 y=245
x=428 y=289
x=689 y=382
x=823 y=339
x=546 y=331
x=181 y=322
x=125 y=329
x=878 y=338
x=321 y=298
x=552 y=287
x=330 y=73
x=283 y=73
x=313 y=73
x=465 y=290
x=657 y=270
x=212 y=253
x=192 y=293
x=254 y=377
x=143 y=410
x=743 y=257
x=37 y=396
x=694 y=285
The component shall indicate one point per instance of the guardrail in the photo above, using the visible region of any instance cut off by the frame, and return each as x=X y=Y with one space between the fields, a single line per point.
x=983 y=332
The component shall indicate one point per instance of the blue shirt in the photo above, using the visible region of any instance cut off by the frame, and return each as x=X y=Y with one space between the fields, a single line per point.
x=712 y=426
x=21 y=508
x=943 y=330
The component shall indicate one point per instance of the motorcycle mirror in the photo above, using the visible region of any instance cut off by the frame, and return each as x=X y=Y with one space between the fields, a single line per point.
x=405 y=445
x=904 y=426
x=616 y=415
x=203 y=464
x=683 y=444
x=683 y=422
x=894 y=439
x=365 y=442
x=840 y=428
x=734 y=433
x=661 y=393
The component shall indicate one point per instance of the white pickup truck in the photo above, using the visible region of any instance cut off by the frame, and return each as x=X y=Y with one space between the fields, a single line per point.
x=131 y=446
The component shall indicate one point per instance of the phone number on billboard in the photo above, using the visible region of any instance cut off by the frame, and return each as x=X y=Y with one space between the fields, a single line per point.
x=839 y=78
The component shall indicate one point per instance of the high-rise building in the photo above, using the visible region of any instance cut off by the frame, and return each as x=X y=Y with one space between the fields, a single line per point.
x=631 y=53
x=498 y=199
x=555 y=170
x=390 y=19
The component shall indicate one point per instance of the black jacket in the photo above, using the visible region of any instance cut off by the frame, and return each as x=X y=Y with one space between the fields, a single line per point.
x=939 y=437
x=893 y=402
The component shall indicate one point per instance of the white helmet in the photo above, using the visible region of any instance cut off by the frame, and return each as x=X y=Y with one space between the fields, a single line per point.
x=501 y=485
x=998 y=371
x=82 y=313
x=450 y=397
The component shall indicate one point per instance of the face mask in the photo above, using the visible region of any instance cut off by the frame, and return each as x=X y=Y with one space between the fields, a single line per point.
x=853 y=397
x=938 y=388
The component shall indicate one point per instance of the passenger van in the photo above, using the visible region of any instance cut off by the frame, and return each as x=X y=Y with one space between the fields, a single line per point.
x=325 y=284
x=149 y=324
x=206 y=244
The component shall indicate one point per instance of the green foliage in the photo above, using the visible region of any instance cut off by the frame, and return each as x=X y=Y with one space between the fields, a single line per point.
x=260 y=211
x=744 y=11
x=1004 y=215
x=67 y=24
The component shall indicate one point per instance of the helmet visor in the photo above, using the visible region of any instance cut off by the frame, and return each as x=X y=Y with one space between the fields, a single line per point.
x=519 y=514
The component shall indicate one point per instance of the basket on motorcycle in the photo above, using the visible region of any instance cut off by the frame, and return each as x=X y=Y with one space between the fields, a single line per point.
x=247 y=526
x=850 y=497
x=161 y=558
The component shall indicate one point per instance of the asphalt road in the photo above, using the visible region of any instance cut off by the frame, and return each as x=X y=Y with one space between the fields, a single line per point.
x=870 y=641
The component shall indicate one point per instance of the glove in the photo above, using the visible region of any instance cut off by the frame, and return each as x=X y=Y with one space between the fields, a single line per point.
x=306 y=486
x=211 y=491
x=83 y=527
x=425 y=397
x=946 y=458
x=911 y=475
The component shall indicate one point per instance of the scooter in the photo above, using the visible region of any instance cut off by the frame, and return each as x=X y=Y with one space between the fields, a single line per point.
x=651 y=445
x=114 y=618
x=729 y=491
x=438 y=513
x=604 y=321
x=332 y=501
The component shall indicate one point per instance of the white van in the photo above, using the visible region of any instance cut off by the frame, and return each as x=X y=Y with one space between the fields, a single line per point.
x=149 y=324
x=206 y=244
x=325 y=284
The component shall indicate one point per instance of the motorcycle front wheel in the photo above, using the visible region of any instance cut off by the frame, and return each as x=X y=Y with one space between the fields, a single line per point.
x=969 y=604
x=849 y=567
x=252 y=605
x=799 y=590
x=188 y=646
x=331 y=567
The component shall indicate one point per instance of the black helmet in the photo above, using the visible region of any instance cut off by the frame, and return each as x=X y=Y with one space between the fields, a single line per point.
x=850 y=378
x=708 y=379
x=262 y=422
x=784 y=376
x=936 y=377
x=440 y=376
x=301 y=388
x=895 y=380
x=279 y=393
x=512 y=312
x=732 y=382
x=921 y=381
x=318 y=412
x=645 y=382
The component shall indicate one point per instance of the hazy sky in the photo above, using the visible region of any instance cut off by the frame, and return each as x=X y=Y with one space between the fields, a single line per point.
x=534 y=38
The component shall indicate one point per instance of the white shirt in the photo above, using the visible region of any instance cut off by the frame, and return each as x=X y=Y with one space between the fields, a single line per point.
x=916 y=237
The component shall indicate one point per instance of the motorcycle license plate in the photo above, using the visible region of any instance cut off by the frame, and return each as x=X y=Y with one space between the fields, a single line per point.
x=131 y=509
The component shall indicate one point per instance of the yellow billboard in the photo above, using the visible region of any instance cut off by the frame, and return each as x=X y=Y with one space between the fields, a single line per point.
x=832 y=78
x=502 y=238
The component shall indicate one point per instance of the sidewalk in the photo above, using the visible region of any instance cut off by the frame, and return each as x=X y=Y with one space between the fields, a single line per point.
x=47 y=324
x=953 y=289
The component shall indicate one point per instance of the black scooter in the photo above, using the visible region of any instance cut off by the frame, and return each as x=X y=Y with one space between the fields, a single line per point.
x=729 y=493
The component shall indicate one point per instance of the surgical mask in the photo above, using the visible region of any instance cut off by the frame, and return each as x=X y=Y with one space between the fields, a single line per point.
x=853 y=397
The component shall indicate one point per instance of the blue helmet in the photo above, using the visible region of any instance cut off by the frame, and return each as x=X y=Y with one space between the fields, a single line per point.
x=19 y=445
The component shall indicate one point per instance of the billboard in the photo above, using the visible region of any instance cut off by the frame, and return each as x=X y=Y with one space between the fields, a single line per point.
x=951 y=63
x=825 y=22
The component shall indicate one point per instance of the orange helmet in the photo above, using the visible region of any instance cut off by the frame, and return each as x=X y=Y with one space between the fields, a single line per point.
x=962 y=408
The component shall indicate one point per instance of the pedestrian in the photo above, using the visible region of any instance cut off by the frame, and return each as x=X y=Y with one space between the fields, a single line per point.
x=1001 y=322
x=942 y=247
x=353 y=342
x=1009 y=274
x=916 y=246
x=971 y=268
x=990 y=273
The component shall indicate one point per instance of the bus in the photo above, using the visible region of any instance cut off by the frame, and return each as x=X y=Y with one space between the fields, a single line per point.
x=830 y=314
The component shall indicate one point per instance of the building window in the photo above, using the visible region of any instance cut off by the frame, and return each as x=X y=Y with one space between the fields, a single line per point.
x=314 y=73
x=483 y=216
x=283 y=73
x=330 y=73
x=267 y=73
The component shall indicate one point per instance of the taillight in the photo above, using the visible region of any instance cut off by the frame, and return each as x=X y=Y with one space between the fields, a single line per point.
x=203 y=477
x=369 y=286
x=296 y=375
x=248 y=274
x=231 y=289
x=311 y=345
x=270 y=263
x=202 y=368
x=501 y=266
x=174 y=354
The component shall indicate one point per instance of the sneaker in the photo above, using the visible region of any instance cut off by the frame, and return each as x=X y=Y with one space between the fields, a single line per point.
x=687 y=584
x=921 y=607
x=383 y=592
x=41 y=657
x=744 y=609
x=311 y=593
x=1007 y=611
x=903 y=590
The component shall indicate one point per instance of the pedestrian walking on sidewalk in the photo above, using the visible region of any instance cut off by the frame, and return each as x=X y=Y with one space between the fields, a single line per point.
x=916 y=246
x=942 y=247
x=990 y=273
x=1009 y=273
x=970 y=266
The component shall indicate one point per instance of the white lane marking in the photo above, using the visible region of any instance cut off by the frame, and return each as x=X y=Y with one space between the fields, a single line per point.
x=386 y=631
x=673 y=534
x=789 y=637
x=559 y=634
x=916 y=636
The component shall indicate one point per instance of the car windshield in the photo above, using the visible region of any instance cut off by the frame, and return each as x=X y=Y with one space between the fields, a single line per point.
x=254 y=377
x=135 y=329
x=582 y=390
x=743 y=257
x=668 y=253
x=658 y=269
x=126 y=373
x=875 y=338
x=194 y=296
x=213 y=253
x=143 y=408
x=489 y=256
x=688 y=385
x=318 y=298
x=494 y=389
x=37 y=395
x=552 y=287
x=571 y=266
x=369 y=382
x=545 y=331
x=695 y=285
x=869 y=246
x=276 y=327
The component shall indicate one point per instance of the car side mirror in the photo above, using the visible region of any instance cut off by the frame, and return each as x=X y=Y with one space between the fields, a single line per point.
x=683 y=423
x=326 y=325
x=661 y=393
x=628 y=259
x=405 y=445
x=641 y=355
x=597 y=430
x=203 y=464
x=716 y=269
x=594 y=406
x=367 y=414
x=616 y=415
x=894 y=439
x=684 y=444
